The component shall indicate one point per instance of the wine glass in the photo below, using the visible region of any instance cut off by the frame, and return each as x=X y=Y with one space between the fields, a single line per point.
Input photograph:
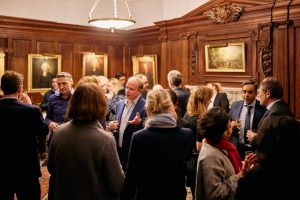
x=238 y=124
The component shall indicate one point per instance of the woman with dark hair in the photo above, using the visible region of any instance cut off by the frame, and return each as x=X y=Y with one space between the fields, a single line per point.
x=277 y=168
x=83 y=160
x=219 y=165
x=156 y=164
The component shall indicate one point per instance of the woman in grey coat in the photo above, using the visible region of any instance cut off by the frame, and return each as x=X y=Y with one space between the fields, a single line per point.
x=83 y=160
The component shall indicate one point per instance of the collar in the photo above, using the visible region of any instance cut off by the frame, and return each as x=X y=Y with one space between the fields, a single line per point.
x=251 y=104
x=271 y=104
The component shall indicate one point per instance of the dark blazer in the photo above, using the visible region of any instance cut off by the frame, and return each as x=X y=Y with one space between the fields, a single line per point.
x=236 y=109
x=222 y=101
x=183 y=98
x=156 y=166
x=130 y=128
x=279 y=108
x=21 y=124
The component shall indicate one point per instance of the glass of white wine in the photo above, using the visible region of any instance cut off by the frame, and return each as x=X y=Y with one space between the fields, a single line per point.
x=238 y=124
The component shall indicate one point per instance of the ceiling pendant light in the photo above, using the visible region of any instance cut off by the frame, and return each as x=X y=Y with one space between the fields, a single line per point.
x=111 y=23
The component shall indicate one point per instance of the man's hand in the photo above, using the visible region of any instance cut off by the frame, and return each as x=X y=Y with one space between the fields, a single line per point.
x=137 y=119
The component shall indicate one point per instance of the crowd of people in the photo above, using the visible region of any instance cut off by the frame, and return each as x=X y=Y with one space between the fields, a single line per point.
x=119 y=139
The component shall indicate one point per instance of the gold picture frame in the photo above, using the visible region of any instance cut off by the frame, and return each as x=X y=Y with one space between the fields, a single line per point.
x=94 y=65
x=146 y=65
x=41 y=69
x=2 y=61
x=225 y=57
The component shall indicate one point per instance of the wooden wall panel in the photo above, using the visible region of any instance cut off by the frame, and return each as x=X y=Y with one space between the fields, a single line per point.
x=3 y=44
x=176 y=58
x=45 y=47
x=295 y=80
x=21 y=49
x=66 y=50
x=280 y=58
x=117 y=66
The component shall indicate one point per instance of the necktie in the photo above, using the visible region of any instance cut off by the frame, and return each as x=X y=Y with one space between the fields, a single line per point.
x=247 y=123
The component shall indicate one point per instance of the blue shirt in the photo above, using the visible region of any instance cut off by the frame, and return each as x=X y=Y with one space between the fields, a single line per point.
x=57 y=107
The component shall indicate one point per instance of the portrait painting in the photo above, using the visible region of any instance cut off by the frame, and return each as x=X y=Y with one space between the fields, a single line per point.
x=41 y=70
x=225 y=57
x=146 y=65
x=94 y=65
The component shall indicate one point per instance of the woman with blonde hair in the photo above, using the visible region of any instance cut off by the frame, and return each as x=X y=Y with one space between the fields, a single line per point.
x=156 y=166
x=196 y=107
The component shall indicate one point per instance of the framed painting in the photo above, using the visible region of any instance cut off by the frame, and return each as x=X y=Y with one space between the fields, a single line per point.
x=41 y=70
x=146 y=65
x=225 y=57
x=94 y=65
x=2 y=61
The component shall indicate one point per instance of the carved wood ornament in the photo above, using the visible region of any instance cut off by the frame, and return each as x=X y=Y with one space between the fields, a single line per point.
x=224 y=14
x=265 y=48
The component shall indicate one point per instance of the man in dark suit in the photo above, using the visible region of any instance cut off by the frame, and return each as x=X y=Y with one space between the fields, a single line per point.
x=270 y=95
x=239 y=111
x=130 y=116
x=175 y=79
x=21 y=124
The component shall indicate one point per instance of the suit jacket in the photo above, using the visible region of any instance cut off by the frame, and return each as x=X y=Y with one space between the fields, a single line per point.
x=21 y=124
x=130 y=128
x=222 y=101
x=279 y=108
x=183 y=97
x=156 y=167
x=236 y=109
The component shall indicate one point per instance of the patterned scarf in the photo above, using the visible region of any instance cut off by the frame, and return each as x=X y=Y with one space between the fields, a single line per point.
x=233 y=154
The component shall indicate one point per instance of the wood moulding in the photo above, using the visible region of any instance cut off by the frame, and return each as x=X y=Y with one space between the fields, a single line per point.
x=225 y=13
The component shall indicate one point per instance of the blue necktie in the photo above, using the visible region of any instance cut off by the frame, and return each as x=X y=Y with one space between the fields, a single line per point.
x=247 y=123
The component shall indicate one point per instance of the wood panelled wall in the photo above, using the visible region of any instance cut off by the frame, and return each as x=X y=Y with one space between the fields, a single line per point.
x=270 y=30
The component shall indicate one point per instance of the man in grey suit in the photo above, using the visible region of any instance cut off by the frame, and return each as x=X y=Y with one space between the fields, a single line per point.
x=239 y=111
x=270 y=94
x=21 y=124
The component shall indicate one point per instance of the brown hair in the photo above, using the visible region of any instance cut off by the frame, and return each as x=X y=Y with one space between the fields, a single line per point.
x=88 y=103
x=197 y=100
x=11 y=81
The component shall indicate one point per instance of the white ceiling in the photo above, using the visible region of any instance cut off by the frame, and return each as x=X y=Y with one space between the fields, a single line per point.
x=145 y=12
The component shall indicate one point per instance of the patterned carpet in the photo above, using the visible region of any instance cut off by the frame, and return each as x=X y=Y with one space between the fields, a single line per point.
x=44 y=181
